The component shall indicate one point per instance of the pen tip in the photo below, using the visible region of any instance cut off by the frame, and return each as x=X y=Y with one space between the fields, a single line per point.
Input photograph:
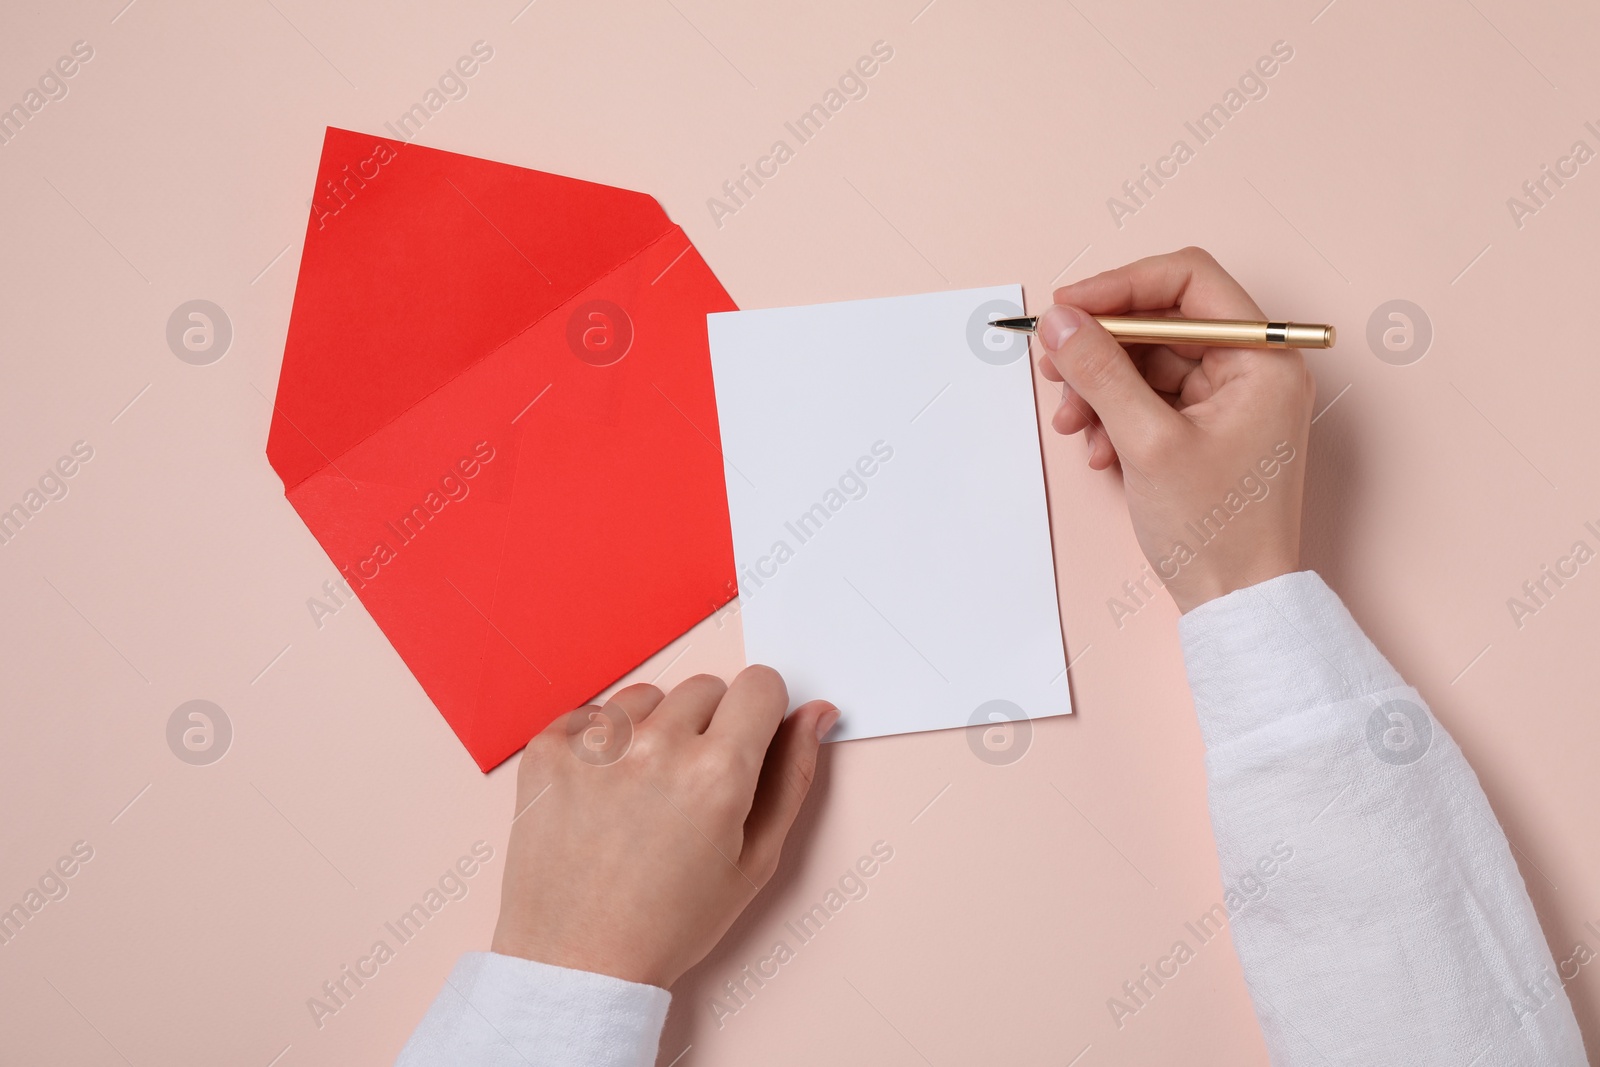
x=1022 y=325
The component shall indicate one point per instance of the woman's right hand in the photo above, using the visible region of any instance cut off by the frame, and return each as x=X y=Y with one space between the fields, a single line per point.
x=1211 y=441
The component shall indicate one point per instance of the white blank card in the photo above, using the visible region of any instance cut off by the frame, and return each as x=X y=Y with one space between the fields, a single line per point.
x=889 y=519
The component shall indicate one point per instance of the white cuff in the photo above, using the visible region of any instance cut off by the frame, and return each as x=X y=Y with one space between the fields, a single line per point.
x=498 y=1009
x=1273 y=650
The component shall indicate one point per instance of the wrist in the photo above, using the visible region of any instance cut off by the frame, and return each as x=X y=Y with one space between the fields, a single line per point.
x=1204 y=588
x=576 y=956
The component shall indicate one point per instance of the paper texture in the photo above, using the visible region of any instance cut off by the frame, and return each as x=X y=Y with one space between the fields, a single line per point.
x=889 y=519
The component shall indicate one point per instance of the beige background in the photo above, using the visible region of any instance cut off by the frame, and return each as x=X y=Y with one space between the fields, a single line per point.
x=220 y=898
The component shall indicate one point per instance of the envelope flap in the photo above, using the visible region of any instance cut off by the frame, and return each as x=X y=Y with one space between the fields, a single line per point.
x=417 y=264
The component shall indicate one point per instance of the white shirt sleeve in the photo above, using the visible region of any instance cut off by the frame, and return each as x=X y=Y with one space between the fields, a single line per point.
x=1374 y=904
x=501 y=1011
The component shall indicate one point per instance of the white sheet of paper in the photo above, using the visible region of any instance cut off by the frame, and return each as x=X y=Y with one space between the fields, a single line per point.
x=889 y=518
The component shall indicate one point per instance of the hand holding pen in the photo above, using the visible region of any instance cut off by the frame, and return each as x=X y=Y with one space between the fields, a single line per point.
x=1211 y=436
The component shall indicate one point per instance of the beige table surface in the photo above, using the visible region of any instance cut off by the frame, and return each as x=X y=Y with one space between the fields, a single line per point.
x=1377 y=166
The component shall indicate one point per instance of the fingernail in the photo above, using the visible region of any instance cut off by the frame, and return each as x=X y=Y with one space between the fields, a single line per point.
x=1056 y=325
x=825 y=722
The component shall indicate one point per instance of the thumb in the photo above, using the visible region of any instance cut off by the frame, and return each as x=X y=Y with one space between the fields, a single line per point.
x=1101 y=372
x=786 y=777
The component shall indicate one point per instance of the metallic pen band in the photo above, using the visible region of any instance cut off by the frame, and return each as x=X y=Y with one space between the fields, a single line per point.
x=1278 y=334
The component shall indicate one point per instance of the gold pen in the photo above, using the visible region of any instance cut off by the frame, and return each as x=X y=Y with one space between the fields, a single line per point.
x=1226 y=333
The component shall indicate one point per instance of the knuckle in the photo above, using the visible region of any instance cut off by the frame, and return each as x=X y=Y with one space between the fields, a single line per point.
x=646 y=746
x=804 y=774
x=763 y=673
x=1096 y=366
x=703 y=685
x=768 y=682
x=639 y=689
x=713 y=768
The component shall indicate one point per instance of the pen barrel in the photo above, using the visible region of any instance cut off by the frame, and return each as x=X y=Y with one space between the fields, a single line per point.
x=1234 y=332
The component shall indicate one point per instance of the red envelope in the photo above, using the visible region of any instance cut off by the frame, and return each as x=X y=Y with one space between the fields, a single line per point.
x=496 y=415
